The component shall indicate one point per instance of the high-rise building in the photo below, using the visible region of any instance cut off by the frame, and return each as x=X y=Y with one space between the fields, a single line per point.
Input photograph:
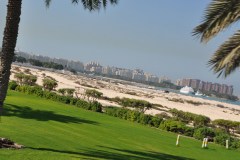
x=224 y=89
x=216 y=87
x=202 y=85
x=179 y=82
x=151 y=78
x=186 y=82
x=107 y=70
x=93 y=67
x=164 y=79
x=195 y=83
x=138 y=75
x=125 y=73
x=206 y=86
x=230 y=90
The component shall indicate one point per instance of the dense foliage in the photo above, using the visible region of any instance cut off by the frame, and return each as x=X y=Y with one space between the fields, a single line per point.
x=45 y=64
x=134 y=116
x=178 y=123
x=49 y=84
x=25 y=79
x=227 y=124
x=38 y=91
x=177 y=127
x=139 y=105
x=203 y=132
x=187 y=117
x=66 y=91
x=94 y=94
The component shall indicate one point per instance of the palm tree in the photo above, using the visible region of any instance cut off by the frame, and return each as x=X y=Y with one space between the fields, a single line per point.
x=11 y=34
x=219 y=15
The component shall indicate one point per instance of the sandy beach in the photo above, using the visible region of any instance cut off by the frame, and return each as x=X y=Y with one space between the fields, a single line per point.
x=111 y=88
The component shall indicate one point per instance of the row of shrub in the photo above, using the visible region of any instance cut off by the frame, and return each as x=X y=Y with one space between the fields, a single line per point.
x=140 y=105
x=152 y=121
x=38 y=91
x=133 y=116
x=218 y=136
x=176 y=124
x=187 y=117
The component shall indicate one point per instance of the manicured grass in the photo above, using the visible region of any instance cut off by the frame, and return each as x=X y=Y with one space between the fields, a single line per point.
x=51 y=130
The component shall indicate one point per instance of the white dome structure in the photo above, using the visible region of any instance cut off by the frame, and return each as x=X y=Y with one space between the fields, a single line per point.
x=187 y=90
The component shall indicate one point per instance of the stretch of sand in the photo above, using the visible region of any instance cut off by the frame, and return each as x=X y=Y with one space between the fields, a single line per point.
x=111 y=88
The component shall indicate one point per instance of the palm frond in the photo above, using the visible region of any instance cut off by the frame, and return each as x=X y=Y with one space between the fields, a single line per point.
x=75 y=1
x=104 y=3
x=218 y=16
x=227 y=58
x=90 y=5
x=114 y=1
x=47 y=3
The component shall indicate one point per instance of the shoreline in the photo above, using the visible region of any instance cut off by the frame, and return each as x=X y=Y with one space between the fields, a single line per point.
x=114 y=88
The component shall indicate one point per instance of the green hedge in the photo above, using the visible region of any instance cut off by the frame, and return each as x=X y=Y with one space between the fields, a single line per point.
x=134 y=116
x=173 y=125
x=38 y=91
x=177 y=127
x=222 y=136
x=204 y=132
x=187 y=117
x=12 y=85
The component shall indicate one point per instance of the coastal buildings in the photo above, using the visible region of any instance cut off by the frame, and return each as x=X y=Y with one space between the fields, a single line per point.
x=164 y=79
x=197 y=84
x=151 y=78
x=137 y=75
x=93 y=67
x=126 y=73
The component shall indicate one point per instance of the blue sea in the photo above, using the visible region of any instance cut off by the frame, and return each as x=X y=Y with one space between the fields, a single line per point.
x=203 y=97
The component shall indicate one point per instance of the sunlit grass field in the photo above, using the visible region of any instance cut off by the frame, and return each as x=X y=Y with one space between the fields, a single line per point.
x=51 y=130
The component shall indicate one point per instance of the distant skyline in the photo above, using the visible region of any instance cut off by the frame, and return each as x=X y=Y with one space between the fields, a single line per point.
x=155 y=37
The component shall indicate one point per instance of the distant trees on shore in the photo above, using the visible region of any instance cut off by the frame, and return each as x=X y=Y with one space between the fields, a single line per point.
x=38 y=63
x=49 y=84
x=24 y=79
x=94 y=94
x=66 y=91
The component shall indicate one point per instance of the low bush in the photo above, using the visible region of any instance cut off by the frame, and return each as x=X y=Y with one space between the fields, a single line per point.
x=12 y=85
x=175 y=126
x=38 y=91
x=134 y=116
x=83 y=104
x=203 y=132
x=187 y=117
x=163 y=115
x=96 y=106
x=222 y=136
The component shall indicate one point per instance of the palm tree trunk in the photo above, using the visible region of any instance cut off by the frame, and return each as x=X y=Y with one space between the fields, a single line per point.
x=8 y=45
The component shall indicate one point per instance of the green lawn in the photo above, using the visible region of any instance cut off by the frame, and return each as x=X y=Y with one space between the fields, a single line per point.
x=51 y=130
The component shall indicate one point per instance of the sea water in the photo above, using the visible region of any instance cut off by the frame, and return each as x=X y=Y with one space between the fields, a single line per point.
x=203 y=97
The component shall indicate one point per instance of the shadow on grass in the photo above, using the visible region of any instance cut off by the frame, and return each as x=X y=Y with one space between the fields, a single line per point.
x=41 y=115
x=116 y=154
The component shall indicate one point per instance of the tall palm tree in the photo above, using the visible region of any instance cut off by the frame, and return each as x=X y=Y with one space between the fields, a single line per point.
x=11 y=34
x=219 y=15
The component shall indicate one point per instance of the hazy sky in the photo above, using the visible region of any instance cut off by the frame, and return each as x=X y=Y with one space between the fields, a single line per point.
x=152 y=35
